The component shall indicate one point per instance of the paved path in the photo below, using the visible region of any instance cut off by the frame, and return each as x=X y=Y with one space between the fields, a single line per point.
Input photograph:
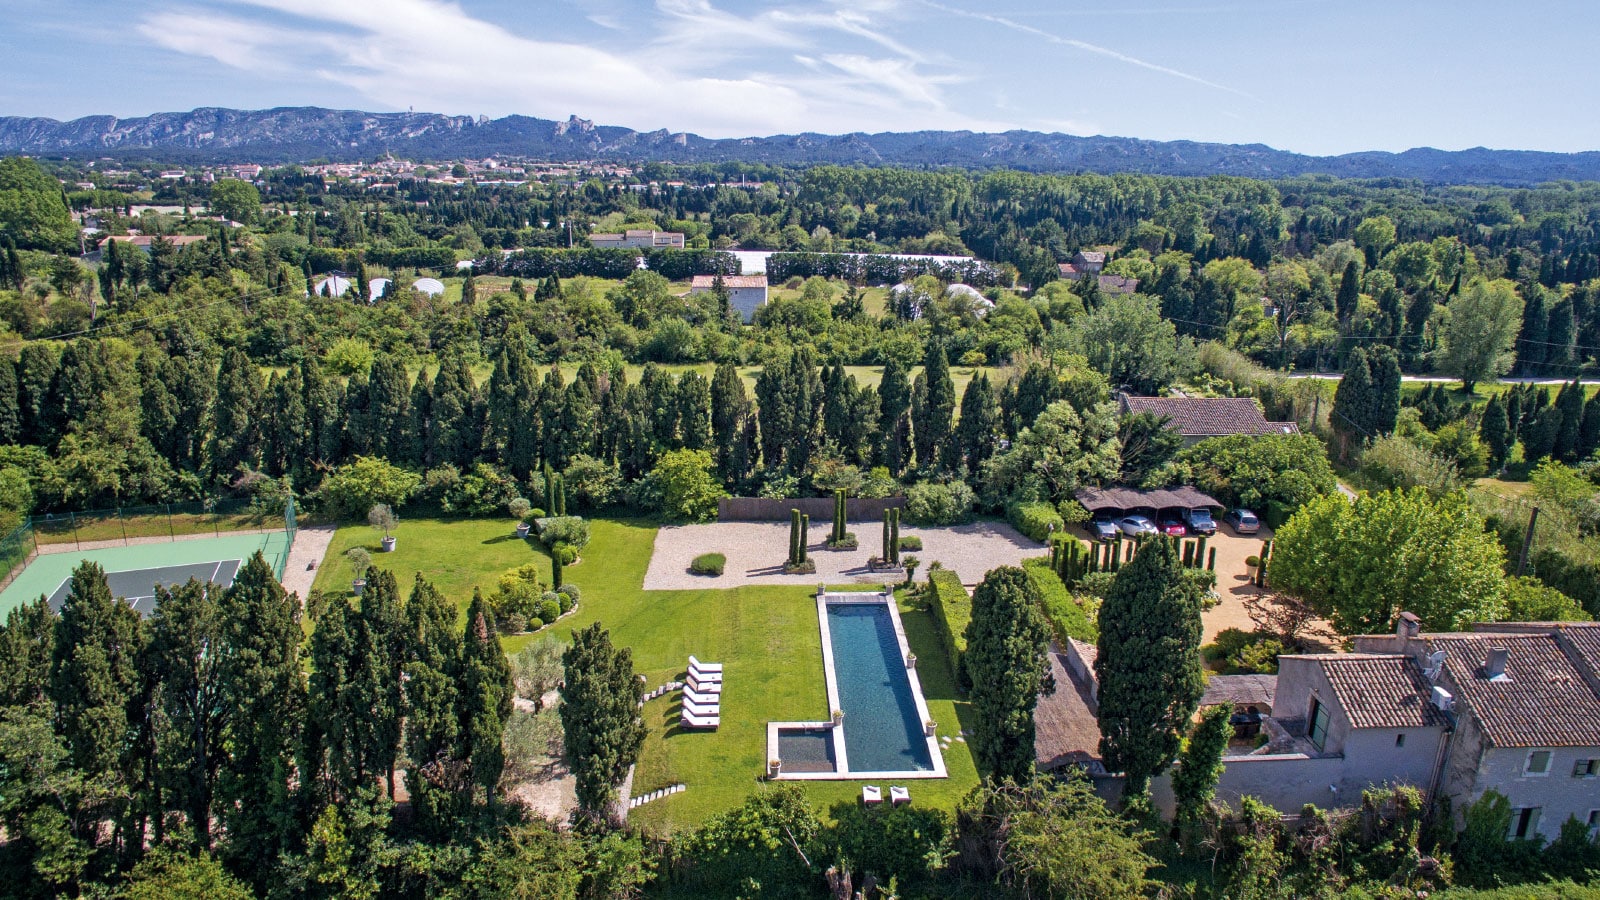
x=310 y=546
x=1445 y=379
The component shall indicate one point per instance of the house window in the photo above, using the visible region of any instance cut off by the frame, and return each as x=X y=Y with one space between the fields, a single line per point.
x=1524 y=822
x=1586 y=768
x=1594 y=821
x=1319 y=724
x=1538 y=764
x=1400 y=740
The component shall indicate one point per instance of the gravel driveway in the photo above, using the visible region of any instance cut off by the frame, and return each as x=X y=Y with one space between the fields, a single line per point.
x=756 y=552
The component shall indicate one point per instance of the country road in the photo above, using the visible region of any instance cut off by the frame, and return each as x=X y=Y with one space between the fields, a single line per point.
x=1441 y=379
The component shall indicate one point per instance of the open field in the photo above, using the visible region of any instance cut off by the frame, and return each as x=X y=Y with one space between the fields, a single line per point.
x=767 y=638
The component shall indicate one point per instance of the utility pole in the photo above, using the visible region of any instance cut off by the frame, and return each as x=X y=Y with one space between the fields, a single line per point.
x=1527 y=542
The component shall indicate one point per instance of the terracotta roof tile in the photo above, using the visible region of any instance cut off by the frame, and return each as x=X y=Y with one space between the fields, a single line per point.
x=1544 y=701
x=706 y=282
x=1210 y=416
x=1380 y=690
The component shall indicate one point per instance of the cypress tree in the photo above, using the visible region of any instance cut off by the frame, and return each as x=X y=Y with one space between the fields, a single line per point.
x=552 y=399
x=1560 y=334
x=1569 y=436
x=694 y=411
x=185 y=661
x=777 y=398
x=1008 y=641
x=1384 y=363
x=1589 y=430
x=36 y=372
x=1149 y=664
x=324 y=424
x=729 y=406
x=236 y=430
x=894 y=423
x=94 y=673
x=27 y=645
x=357 y=423
x=1353 y=403
x=453 y=429
x=976 y=431
x=389 y=408
x=433 y=660
x=1539 y=438
x=287 y=425
x=932 y=431
x=600 y=717
x=486 y=689
x=381 y=649
x=263 y=693
x=1535 y=324
x=334 y=710
x=1194 y=781
x=415 y=443
x=1349 y=296
x=10 y=407
x=660 y=406
x=469 y=290
x=1495 y=431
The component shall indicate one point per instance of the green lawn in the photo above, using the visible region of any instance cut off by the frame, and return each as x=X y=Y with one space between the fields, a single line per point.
x=766 y=637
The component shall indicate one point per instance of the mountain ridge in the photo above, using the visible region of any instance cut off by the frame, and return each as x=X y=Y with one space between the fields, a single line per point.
x=290 y=134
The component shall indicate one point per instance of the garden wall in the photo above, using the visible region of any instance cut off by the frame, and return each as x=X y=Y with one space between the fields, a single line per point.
x=820 y=509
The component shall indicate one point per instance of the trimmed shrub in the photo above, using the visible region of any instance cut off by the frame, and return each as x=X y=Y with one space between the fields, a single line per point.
x=1239 y=652
x=952 y=611
x=535 y=624
x=1067 y=616
x=572 y=531
x=515 y=624
x=550 y=610
x=1035 y=519
x=708 y=564
x=564 y=603
x=939 y=504
x=911 y=542
x=570 y=590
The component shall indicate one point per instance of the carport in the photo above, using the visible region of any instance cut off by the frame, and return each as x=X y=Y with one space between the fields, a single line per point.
x=1122 y=500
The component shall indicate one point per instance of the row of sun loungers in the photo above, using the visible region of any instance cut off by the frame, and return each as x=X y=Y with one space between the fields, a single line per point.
x=871 y=795
x=702 y=695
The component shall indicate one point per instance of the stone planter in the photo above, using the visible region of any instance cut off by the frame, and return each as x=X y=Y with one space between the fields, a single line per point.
x=388 y=543
x=911 y=660
x=359 y=585
x=774 y=766
x=930 y=728
x=523 y=528
x=838 y=717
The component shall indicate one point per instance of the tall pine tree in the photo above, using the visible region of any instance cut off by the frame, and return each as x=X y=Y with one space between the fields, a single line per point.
x=1008 y=642
x=600 y=717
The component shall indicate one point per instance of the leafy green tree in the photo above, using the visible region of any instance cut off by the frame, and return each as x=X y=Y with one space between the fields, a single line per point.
x=49 y=807
x=1128 y=341
x=1374 y=235
x=1360 y=564
x=168 y=874
x=683 y=487
x=1008 y=642
x=32 y=211
x=1147 y=442
x=1258 y=471
x=236 y=200
x=530 y=860
x=764 y=847
x=1061 y=451
x=1194 y=780
x=1050 y=838
x=1480 y=331
x=600 y=717
x=1148 y=664
x=354 y=488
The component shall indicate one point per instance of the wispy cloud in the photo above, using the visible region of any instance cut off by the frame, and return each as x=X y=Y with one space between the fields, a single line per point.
x=1080 y=45
x=432 y=54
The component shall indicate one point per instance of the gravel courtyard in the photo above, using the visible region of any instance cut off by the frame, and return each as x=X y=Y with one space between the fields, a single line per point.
x=756 y=552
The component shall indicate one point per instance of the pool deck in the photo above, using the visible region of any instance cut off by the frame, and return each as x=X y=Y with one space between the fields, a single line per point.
x=836 y=727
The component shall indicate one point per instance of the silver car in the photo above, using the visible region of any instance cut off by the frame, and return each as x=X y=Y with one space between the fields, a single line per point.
x=1135 y=525
x=1243 y=521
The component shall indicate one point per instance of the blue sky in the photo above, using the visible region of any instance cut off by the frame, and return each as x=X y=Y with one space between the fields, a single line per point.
x=1314 y=77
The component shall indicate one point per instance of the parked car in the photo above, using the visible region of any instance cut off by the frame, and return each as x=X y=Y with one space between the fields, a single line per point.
x=1135 y=525
x=1172 y=526
x=1199 y=520
x=1103 y=528
x=1243 y=521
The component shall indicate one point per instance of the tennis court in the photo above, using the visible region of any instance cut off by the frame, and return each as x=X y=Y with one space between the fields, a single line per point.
x=133 y=572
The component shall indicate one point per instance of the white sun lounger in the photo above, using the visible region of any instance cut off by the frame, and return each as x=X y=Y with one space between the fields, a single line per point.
x=703 y=675
x=692 y=721
x=705 y=687
x=899 y=795
x=871 y=794
x=700 y=708
x=701 y=698
x=696 y=665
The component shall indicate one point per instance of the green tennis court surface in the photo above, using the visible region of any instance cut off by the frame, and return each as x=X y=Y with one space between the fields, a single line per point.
x=133 y=572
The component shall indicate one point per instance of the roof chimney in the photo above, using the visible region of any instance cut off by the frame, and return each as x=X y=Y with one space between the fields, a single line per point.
x=1406 y=627
x=1494 y=668
x=1442 y=700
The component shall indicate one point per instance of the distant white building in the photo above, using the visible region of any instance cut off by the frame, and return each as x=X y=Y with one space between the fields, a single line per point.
x=333 y=286
x=433 y=287
x=746 y=293
x=639 y=239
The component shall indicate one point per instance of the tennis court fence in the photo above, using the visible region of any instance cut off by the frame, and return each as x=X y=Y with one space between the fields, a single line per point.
x=122 y=526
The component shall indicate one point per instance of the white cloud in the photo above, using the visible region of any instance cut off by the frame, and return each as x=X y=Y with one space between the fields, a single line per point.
x=432 y=54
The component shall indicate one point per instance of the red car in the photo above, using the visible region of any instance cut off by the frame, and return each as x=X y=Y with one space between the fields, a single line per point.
x=1173 y=527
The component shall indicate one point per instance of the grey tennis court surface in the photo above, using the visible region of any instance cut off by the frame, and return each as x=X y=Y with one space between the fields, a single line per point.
x=138 y=586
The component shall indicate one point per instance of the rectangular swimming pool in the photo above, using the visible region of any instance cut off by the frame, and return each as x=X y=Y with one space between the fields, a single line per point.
x=879 y=726
x=882 y=728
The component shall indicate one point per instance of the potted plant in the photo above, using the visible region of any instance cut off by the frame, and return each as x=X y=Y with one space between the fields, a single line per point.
x=911 y=563
x=838 y=717
x=382 y=517
x=519 y=508
x=360 y=561
x=911 y=660
x=774 y=766
x=1251 y=565
x=930 y=728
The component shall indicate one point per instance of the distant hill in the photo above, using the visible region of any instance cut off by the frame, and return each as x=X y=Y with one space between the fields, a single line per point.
x=291 y=134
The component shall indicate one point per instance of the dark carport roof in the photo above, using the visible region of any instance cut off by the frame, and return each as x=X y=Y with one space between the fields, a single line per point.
x=1133 y=498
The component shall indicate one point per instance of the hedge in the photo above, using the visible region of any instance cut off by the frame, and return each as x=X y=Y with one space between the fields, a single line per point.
x=542 y=262
x=952 y=610
x=1035 y=519
x=878 y=269
x=1067 y=618
x=708 y=564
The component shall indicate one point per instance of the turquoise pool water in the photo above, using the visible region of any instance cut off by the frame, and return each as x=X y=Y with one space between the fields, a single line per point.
x=882 y=731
